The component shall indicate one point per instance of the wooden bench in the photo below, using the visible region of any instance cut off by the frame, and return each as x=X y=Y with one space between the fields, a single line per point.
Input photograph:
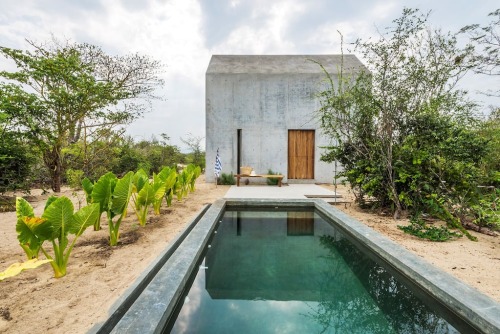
x=268 y=176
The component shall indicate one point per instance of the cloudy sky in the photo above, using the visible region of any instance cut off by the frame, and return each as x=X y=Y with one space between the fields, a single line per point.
x=183 y=34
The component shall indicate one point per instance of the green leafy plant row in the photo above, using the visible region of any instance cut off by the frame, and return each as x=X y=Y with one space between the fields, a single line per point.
x=110 y=195
x=151 y=193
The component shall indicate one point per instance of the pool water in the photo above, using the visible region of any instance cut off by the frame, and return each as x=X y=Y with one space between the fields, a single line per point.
x=293 y=272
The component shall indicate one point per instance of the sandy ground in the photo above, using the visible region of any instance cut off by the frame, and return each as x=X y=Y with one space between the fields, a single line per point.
x=35 y=302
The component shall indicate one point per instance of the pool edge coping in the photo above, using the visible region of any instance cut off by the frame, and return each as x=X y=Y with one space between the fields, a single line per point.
x=126 y=300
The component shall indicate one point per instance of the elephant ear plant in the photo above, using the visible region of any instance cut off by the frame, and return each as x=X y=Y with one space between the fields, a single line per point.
x=143 y=194
x=57 y=222
x=119 y=198
x=168 y=177
x=87 y=187
x=26 y=222
x=196 y=172
x=112 y=195
x=101 y=193
x=183 y=183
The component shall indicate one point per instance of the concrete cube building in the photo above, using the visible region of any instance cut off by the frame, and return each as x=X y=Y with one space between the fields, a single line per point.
x=260 y=112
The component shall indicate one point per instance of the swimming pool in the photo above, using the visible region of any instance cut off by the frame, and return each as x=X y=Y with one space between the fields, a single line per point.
x=346 y=279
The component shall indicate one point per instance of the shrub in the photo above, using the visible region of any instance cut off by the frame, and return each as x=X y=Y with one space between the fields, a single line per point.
x=226 y=179
x=420 y=229
x=15 y=164
x=74 y=178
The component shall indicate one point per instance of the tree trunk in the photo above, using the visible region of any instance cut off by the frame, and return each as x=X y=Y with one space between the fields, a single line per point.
x=483 y=230
x=56 y=177
x=52 y=160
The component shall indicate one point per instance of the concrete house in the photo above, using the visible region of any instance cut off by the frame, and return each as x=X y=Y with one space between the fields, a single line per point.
x=260 y=112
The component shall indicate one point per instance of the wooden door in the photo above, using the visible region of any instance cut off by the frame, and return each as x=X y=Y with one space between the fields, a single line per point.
x=301 y=154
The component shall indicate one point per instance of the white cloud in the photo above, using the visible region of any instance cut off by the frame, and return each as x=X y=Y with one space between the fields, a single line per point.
x=265 y=33
x=234 y=3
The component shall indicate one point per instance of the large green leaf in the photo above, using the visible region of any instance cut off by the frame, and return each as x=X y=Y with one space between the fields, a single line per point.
x=59 y=215
x=159 y=187
x=84 y=218
x=140 y=179
x=25 y=235
x=87 y=186
x=101 y=192
x=121 y=194
x=31 y=231
x=196 y=173
x=170 y=178
x=51 y=199
x=23 y=208
x=145 y=196
x=165 y=172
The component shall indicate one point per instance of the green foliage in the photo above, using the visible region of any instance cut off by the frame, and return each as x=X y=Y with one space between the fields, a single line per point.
x=74 y=178
x=31 y=242
x=143 y=194
x=486 y=211
x=87 y=187
x=195 y=172
x=118 y=204
x=57 y=222
x=227 y=179
x=169 y=177
x=489 y=130
x=61 y=91
x=101 y=193
x=403 y=133
x=112 y=195
x=15 y=163
x=420 y=229
x=185 y=182
x=272 y=181
x=150 y=155
x=109 y=194
x=148 y=193
x=95 y=153
x=182 y=184
x=197 y=156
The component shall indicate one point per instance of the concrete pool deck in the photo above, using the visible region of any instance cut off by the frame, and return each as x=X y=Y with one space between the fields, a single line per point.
x=291 y=191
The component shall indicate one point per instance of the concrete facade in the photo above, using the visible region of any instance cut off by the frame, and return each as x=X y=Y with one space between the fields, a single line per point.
x=264 y=97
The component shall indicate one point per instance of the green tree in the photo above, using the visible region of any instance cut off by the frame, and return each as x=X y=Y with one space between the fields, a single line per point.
x=151 y=155
x=15 y=163
x=402 y=131
x=73 y=87
x=16 y=156
x=95 y=154
x=197 y=156
x=490 y=131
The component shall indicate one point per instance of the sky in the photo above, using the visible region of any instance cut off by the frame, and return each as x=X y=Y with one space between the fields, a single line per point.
x=184 y=34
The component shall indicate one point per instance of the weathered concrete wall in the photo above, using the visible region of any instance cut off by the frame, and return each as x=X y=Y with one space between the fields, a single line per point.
x=264 y=107
x=265 y=97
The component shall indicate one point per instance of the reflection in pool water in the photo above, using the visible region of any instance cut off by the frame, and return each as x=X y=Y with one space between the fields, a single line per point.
x=292 y=272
